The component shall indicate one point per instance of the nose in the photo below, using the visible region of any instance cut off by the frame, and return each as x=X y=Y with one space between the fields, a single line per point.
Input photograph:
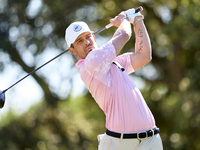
x=87 y=42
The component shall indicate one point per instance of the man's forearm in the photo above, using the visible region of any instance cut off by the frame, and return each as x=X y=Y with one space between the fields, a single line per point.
x=124 y=27
x=122 y=35
x=142 y=45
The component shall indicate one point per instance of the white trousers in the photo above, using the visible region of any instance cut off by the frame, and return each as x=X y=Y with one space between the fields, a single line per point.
x=111 y=143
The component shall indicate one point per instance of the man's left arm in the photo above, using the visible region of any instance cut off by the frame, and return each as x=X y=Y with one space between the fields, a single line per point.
x=143 y=51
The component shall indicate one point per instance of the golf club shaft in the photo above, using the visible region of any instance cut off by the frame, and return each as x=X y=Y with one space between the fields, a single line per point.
x=110 y=25
x=106 y=27
x=35 y=70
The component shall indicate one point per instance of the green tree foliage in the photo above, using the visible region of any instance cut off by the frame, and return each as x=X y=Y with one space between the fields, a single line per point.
x=170 y=83
x=71 y=125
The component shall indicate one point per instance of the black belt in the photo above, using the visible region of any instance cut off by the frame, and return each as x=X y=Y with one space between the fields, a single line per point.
x=140 y=135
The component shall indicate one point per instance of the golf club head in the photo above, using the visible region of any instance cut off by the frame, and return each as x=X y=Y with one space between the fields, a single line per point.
x=2 y=99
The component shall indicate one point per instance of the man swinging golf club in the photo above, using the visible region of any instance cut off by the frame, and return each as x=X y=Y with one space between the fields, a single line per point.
x=129 y=122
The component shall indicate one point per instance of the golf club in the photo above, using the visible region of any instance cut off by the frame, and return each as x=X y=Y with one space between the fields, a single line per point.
x=2 y=94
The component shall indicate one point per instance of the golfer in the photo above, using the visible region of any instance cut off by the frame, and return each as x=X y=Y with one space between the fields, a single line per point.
x=129 y=122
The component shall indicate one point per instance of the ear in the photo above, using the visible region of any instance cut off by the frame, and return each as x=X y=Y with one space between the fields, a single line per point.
x=72 y=51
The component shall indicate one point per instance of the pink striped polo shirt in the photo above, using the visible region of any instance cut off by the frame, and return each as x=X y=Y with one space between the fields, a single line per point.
x=124 y=106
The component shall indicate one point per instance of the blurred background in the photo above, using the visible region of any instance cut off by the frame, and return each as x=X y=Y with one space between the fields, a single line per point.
x=52 y=109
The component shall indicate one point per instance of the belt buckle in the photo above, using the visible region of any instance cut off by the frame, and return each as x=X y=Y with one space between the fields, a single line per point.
x=152 y=132
x=138 y=135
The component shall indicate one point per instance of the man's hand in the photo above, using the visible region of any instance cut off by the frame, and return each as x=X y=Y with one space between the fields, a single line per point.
x=118 y=19
x=131 y=15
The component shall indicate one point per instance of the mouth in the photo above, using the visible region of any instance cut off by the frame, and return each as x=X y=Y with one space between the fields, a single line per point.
x=89 y=48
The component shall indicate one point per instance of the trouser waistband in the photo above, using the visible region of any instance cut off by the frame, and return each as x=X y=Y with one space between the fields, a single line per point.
x=140 y=135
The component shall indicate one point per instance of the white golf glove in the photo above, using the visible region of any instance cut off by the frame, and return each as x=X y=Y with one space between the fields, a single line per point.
x=130 y=13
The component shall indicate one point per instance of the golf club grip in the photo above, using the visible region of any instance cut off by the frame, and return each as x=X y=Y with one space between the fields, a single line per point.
x=139 y=9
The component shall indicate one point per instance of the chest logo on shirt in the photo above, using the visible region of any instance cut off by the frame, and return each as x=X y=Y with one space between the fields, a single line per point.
x=77 y=27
